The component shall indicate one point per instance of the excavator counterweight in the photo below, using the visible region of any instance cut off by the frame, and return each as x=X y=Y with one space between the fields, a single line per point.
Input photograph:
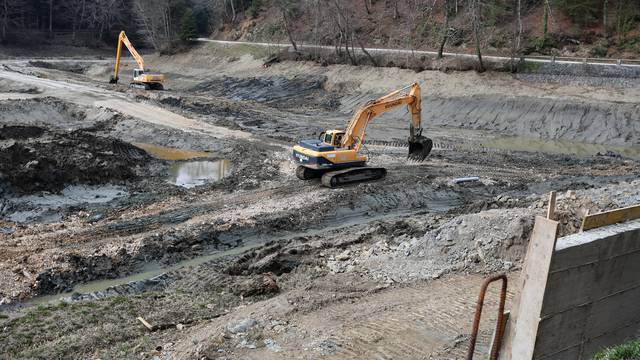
x=335 y=156
x=142 y=78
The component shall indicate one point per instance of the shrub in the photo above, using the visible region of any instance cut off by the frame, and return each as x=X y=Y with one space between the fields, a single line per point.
x=628 y=351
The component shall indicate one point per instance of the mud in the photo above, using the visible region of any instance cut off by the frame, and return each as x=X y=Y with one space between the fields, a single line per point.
x=48 y=161
x=250 y=262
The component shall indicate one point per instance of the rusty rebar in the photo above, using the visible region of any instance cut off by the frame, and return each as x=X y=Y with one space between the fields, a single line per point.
x=497 y=341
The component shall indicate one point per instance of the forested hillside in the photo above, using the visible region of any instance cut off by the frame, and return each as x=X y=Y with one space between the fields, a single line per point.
x=598 y=28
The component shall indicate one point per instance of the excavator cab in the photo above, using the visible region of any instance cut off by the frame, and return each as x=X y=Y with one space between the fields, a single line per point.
x=332 y=137
x=142 y=79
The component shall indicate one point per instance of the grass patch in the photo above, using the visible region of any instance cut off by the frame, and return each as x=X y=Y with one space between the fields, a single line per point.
x=628 y=351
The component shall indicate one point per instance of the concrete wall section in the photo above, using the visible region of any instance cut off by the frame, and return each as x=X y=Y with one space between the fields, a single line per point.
x=592 y=296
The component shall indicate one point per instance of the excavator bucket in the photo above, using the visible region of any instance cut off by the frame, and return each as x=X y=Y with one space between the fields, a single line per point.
x=419 y=147
x=113 y=80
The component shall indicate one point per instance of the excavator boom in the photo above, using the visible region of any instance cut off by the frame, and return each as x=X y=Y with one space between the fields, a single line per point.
x=141 y=78
x=356 y=130
x=336 y=155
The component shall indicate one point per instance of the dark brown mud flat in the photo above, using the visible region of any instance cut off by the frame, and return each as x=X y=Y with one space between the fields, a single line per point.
x=39 y=160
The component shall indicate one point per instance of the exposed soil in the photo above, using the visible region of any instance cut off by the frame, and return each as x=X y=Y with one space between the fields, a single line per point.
x=39 y=161
x=259 y=264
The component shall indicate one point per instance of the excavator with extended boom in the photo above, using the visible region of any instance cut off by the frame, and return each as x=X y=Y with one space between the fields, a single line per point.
x=336 y=158
x=142 y=78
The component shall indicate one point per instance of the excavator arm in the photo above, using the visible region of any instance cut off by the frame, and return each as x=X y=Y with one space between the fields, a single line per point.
x=123 y=39
x=356 y=130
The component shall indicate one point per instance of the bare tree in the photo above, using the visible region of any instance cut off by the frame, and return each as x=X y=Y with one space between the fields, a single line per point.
x=517 y=33
x=367 y=6
x=347 y=28
x=475 y=14
x=154 y=21
x=445 y=29
x=10 y=15
x=287 y=9
x=605 y=18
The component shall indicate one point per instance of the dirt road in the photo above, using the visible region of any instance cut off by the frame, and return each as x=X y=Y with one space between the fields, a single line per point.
x=98 y=97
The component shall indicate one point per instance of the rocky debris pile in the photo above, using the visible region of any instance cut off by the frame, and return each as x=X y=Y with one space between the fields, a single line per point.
x=487 y=241
x=573 y=205
x=245 y=334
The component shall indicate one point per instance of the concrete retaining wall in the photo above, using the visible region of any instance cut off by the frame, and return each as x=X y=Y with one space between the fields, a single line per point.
x=592 y=296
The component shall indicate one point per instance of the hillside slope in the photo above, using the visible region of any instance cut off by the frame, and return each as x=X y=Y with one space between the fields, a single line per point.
x=574 y=28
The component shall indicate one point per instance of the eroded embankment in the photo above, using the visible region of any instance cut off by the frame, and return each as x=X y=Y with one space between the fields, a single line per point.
x=600 y=123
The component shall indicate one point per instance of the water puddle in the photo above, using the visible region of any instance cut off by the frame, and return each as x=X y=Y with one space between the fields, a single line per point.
x=150 y=272
x=172 y=154
x=46 y=208
x=196 y=173
x=345 y=218
x=559 y=147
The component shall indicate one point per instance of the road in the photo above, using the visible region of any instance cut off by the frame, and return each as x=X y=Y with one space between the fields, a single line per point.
x=120 y=102
x=537 y=59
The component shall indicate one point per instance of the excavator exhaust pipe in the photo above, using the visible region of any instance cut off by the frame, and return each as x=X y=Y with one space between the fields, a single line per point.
x=419 y=147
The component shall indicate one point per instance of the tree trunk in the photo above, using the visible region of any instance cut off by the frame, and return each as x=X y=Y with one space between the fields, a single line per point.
x=5 y=19
x=233 y=11
x=605 y=18
x=476 y=30
x=366 y=6
x=51 y=18
x=517 y=33
x=285 y=20
x=396 y=14
x=364 y=50
x=445 y=29
x=619 y=18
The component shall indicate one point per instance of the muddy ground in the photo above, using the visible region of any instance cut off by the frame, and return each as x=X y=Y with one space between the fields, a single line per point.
x=95 y=230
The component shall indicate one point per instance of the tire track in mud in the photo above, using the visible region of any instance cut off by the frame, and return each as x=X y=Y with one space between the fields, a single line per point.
x=171 y=236
x=408 y=322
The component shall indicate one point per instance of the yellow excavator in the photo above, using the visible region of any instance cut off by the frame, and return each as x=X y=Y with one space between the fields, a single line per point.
x=142 y=78
x=335 y=157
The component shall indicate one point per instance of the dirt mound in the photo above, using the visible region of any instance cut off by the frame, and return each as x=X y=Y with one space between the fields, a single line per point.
x=38 y=160
x=490 y=240
x=9 y=86
x=20 y=132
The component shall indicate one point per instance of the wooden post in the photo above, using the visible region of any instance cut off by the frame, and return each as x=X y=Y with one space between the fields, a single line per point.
x=551 y=211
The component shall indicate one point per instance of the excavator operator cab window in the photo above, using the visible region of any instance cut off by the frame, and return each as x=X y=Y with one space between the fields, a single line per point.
x=327 y=139
x=137 y=72
x=337 y=140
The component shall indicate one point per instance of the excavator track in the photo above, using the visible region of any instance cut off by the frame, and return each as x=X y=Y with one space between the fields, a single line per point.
x=140 y=86
x=352 y=175
x=304 y=173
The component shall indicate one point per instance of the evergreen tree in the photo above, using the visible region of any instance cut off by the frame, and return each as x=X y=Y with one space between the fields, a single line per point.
x=189 y=29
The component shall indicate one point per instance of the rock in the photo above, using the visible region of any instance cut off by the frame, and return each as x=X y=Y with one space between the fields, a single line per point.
x=180 y=327
x=272 y=345
x=242 y=326
x=335 y=266
x=344 y=256
x=571 y=194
